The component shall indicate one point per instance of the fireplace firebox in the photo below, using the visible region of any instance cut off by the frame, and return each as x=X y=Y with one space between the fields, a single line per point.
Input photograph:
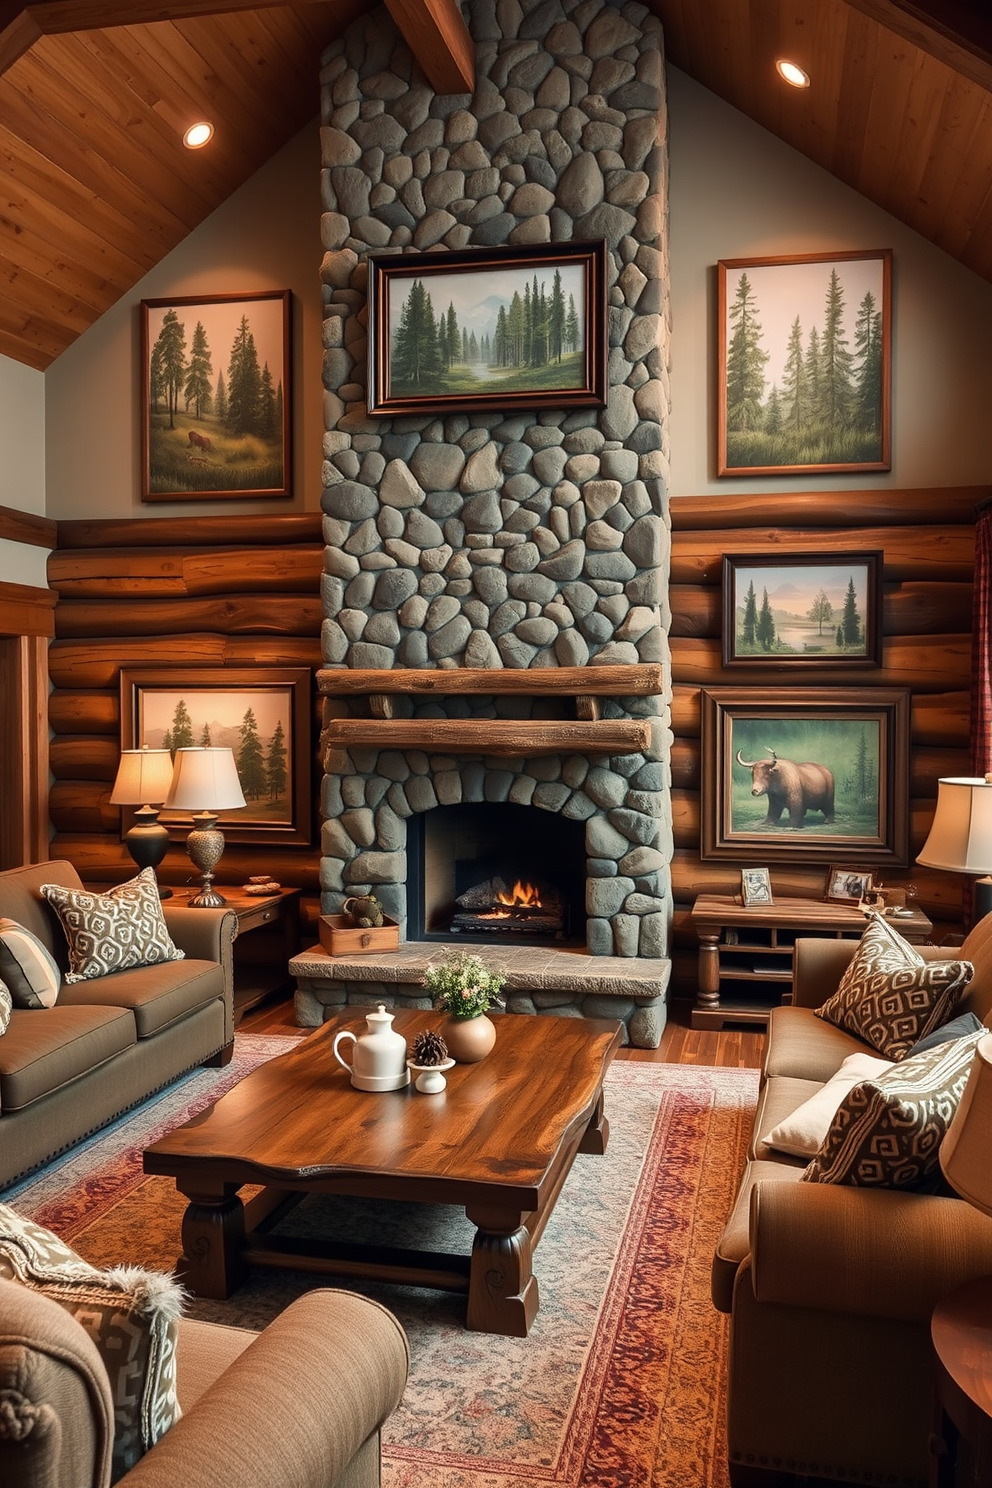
x=494 y=872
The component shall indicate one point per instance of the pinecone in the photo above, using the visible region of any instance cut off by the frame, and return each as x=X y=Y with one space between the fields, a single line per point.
x=429 y=1048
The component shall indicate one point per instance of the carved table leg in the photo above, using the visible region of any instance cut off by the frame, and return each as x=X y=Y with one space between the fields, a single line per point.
x=212 y=1263
x=502 y=1291
x=597 y=1133
x=708 y=993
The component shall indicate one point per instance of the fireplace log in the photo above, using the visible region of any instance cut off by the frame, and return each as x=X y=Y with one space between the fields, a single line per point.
x=644 y=680
x=511 y=738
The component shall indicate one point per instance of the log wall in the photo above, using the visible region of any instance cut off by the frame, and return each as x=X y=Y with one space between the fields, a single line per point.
x=927 y=538
x=183 y=592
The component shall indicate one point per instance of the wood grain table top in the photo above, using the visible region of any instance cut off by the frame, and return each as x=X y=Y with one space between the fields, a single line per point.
x=493 y=1133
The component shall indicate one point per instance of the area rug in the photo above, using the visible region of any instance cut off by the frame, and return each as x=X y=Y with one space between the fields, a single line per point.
x=619 y=1383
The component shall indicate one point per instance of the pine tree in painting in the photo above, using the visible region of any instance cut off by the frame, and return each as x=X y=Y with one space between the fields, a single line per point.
x=745 y=360
x=850 y=624
x=251 y=764
x=198 y=374
x=275 y=763
x=765 y=628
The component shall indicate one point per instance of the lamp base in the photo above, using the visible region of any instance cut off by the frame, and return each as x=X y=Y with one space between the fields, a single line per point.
x=205 y=846
x=207 y=898
x=148 y=842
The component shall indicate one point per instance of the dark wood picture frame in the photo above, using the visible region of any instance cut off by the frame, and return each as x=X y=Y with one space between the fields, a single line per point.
x=191 y=450
x=486 y=284
x=841 y=883
x=148 y=694
x=767 y=310
x=860 y=737
x=862 y=568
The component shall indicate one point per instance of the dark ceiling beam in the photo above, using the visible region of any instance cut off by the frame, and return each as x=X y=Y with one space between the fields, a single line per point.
x=438 y=37
x=952 y=32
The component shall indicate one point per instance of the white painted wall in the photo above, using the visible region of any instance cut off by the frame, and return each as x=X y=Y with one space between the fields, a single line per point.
x=738 y=192
x=22 y=465
x=265 y=236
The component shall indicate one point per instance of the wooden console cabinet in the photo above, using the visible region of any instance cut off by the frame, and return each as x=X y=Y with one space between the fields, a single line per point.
x=745 y=954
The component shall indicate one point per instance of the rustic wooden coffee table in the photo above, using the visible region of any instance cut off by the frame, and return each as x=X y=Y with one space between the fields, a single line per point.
x=499 y=1142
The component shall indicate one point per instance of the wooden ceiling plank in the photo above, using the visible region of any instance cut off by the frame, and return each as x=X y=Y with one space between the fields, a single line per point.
x=39 y=297
x=969 y=58
x=33 y=216
x=928 y=91
x=771 y=104
x=439 y=39
x=889 y=100
x=300 y=61
x=959 y=171
x=854 y=98
x=35 y=332
x=27 y=252
x=824 y=27
x=211 y=38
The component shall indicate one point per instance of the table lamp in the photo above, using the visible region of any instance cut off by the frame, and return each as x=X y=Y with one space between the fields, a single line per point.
x=964 y=1152
x=144 y=778
x=205 y=781
x=960 y=838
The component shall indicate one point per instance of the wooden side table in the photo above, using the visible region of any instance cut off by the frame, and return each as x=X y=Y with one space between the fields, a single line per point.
x=961 y=1329
x=261 y=967
x=745 y=953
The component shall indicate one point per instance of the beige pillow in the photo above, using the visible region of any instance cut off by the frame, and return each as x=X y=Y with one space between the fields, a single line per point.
x=114 y=931
x=28 y=968
x=891 y=997
x=802 y=1133
x=6 y=1006
x=131 y=1315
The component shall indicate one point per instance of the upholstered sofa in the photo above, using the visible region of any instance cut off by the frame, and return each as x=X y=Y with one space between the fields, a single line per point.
x=109 y=1042
x=830 y=1288
x=299 y=1405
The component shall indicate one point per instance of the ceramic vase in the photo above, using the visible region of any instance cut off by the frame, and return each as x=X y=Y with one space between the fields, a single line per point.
x=468 y=1039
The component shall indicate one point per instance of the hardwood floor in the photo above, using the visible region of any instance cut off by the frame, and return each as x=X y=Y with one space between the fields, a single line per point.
x=737 y=1048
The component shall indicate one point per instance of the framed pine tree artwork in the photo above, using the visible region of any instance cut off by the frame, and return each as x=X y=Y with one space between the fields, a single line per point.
x=216 y=416
x=802 y=610
x=804 y=364
x=261 y=713
x=487 y=330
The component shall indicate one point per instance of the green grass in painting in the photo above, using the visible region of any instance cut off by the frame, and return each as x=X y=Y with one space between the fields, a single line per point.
x=824 y=446
x=471 y=377
x=234 y=462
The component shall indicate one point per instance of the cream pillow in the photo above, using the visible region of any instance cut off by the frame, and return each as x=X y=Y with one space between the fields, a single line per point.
x=802 y=1133
x=131 y=1315
x=114 y=931
x=27 y=967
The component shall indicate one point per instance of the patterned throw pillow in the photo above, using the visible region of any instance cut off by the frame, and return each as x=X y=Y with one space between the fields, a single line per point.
x=888 y=1130
x=6 y=1004
x=131 y=1315
x=890 y=996
x=113 y=931
x=27 y=967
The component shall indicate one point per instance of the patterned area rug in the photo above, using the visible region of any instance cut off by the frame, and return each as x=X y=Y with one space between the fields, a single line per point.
x=619 y=1384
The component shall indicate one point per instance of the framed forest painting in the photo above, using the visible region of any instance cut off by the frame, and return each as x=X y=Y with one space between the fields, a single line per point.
x=802 y=610
x=804 y=364
x=215 y=400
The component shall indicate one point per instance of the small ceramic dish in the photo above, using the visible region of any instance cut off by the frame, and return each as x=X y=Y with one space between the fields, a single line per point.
x=430 y=1077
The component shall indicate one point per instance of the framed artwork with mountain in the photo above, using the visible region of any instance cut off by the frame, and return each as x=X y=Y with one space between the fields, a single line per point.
x=802 y=611
x=804 y=364
x=216 y=418
x=261 y=713
x=481 y=331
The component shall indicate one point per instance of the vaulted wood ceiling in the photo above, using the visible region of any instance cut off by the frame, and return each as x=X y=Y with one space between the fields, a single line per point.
x=95 y=187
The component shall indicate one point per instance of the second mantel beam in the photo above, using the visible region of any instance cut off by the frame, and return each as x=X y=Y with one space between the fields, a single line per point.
x=509 y=738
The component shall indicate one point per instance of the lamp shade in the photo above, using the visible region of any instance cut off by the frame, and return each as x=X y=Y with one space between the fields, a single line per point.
x=205 y=780
x=144 y=778
x=961 y=835
x=964 y=1152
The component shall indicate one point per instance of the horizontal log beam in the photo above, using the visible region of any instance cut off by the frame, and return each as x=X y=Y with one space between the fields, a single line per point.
x=97 y=663
x=279 y=615
x=500 y=737
x=175 y=572
x=25 y=527
x=103 y=858
x=191 y=532
x=850 y=509
x=604 y=681
x=26 y=610
x=931 y=552
x=907 y=663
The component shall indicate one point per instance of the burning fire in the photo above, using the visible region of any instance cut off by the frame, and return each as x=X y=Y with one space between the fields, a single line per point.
x=521 y=896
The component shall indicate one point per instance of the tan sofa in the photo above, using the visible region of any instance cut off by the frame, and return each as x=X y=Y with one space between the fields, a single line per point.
x=830 y=1288
x=297 y=1406
x=109 y=1042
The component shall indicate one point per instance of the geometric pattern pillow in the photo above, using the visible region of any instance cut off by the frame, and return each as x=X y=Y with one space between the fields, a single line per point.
x=131 y=1315
x=890 y=996
x=27 y=967
x=6 y=1004
x=113 y=931
x=888 y=1130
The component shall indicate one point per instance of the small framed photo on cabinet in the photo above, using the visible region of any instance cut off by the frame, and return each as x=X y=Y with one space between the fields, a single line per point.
x=848 y=885
x=756 y=886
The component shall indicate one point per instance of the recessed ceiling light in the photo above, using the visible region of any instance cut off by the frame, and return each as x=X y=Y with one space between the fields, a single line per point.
x=197 y=135
x=792 y=73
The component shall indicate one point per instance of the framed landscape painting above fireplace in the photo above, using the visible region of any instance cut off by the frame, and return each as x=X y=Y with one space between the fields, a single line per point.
x=805 y=774
x=482 y=330
x=261 y=713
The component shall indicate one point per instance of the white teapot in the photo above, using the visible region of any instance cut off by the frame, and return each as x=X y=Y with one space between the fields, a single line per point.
x=378 y=1059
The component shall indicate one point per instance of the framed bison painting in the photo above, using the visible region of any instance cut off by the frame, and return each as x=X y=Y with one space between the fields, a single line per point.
x=805 y=774
x=215 y=397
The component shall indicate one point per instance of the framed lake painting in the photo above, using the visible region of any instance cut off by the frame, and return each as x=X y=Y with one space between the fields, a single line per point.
x=805 y=774
x=802 y=610
x=804 y=364
x=261 y=713
x=487 y=330
x=215 y=397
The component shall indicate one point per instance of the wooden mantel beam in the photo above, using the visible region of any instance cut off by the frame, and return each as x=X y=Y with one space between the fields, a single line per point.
x=439 y=39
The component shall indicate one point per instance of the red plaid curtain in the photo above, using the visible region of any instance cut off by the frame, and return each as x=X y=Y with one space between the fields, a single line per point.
x=981 y=665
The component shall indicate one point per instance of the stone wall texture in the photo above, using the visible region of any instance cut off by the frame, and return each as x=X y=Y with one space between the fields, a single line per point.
x=537 y=539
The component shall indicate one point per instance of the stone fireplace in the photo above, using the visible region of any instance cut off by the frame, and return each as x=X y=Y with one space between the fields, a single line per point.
x=495 y=585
